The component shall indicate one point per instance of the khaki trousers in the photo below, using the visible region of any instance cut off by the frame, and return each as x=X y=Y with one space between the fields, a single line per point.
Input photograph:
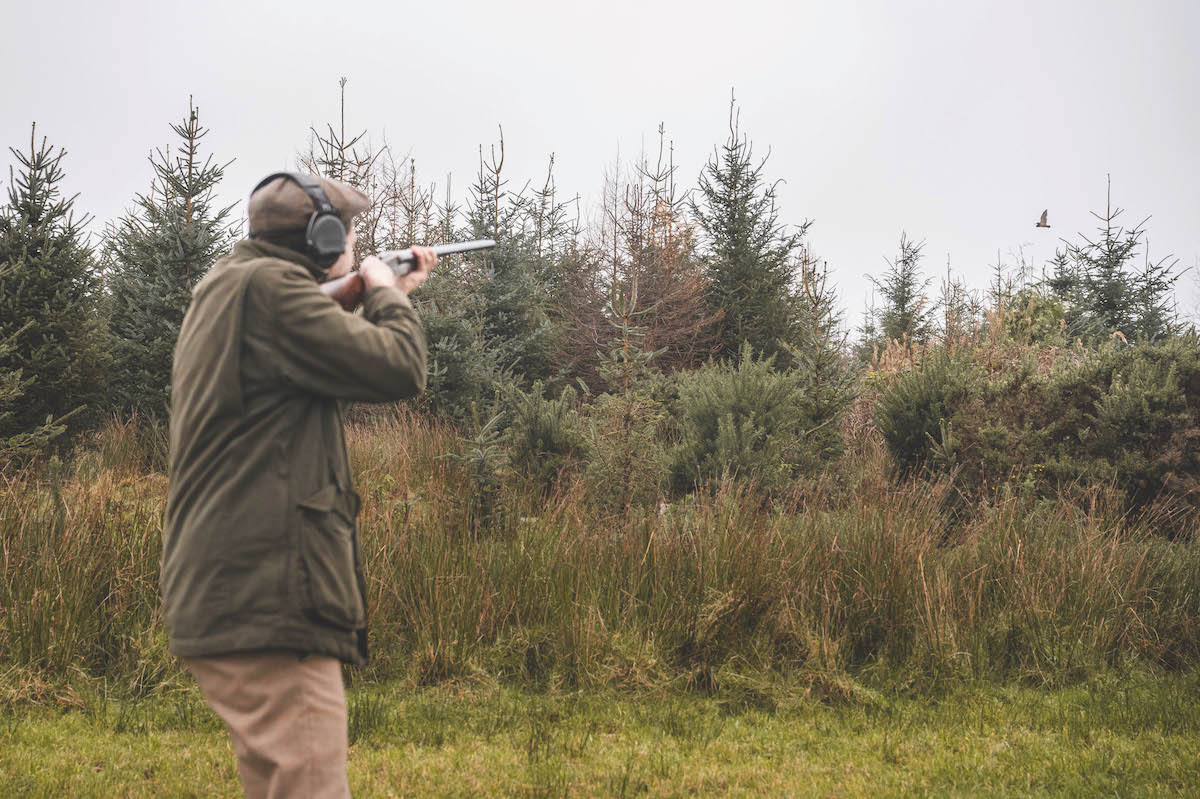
x=287 y=718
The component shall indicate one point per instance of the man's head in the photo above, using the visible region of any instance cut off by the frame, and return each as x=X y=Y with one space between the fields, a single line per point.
x=280 y=211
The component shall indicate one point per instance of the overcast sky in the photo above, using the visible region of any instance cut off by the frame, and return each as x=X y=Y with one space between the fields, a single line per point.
x=957 y=122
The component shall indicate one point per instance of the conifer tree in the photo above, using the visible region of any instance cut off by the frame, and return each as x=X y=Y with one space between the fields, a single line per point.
x=959 y=309
x=553 y=234
x=157 y=254
x=12 y=388
x=1115 y=296
x=515 y=300
x=53 y=350
x=408 y=208
x=818 y=347
x=905 y=313
x=660 y=265
x=644 y=242
x=355 y=161
x=751 y=270
x=1105 y=294
x=626 y=466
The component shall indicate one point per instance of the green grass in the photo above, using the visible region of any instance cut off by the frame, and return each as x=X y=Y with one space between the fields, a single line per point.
x=1137 y=736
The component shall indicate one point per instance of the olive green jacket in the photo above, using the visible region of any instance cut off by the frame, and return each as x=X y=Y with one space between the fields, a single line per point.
x=260 y=544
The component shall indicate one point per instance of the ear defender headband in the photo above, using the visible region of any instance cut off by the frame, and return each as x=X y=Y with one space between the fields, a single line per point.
x=325 y=235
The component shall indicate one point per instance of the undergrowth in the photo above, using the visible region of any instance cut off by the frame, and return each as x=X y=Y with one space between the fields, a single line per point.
x=859 y=582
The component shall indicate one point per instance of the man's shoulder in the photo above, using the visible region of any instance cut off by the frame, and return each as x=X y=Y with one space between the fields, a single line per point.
x=245 y=280
x=247 y=263
x=235 y=267
x=270 y=271
x=268 y=276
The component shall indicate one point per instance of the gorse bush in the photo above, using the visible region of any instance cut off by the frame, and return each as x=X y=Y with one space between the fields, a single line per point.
x=1130 y=415
x=916 y=413
x=1120 y=415
x=750 y=421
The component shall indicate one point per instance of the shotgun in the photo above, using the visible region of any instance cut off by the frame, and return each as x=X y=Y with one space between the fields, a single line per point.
x=348 y=290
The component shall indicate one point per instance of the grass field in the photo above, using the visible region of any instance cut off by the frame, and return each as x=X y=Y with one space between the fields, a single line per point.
x=1136 y=736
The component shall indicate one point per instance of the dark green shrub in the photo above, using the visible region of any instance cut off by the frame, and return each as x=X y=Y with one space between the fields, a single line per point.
x=1122 y=416
x=1130 y=415
x=54 y=349
x=750 y=421
x=12 y=387
x=483 y=458
x=916 y=412
x=545 y=438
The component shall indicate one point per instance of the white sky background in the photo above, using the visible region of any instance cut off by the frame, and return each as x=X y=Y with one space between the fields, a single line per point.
x=955 y=121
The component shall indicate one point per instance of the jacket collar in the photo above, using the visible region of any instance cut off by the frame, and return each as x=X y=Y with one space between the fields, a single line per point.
x=257 y=248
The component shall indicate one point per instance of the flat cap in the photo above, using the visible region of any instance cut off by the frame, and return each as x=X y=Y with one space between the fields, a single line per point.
x=282 y=206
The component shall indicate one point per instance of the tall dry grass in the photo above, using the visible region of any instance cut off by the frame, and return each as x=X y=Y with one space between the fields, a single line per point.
x=717 y=590
x=79 y=554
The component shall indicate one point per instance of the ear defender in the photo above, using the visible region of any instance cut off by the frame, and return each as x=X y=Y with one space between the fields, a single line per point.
x=326 y=232
x=326 y=238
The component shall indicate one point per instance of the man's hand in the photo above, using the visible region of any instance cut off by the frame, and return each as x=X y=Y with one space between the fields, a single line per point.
x=426 y=259
x=376 y=273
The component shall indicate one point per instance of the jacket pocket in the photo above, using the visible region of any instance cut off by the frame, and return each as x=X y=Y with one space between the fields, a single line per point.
x=328 y=559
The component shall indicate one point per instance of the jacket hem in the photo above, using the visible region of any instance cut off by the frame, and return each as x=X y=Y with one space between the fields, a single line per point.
x=346 y=650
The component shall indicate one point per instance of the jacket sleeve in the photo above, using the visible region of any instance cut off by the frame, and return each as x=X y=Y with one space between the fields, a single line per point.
x=376 y=357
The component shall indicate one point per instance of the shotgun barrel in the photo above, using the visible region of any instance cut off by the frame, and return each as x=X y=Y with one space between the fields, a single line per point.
x=401 y=261
x=348 y=289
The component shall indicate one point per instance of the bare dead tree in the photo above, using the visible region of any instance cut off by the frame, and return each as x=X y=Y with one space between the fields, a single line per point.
x=352 y=160
x=643 y=239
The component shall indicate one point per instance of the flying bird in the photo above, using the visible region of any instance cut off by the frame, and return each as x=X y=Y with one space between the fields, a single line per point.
x=1042 y=222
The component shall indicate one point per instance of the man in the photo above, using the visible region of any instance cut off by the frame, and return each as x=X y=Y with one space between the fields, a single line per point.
x=262 y=588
